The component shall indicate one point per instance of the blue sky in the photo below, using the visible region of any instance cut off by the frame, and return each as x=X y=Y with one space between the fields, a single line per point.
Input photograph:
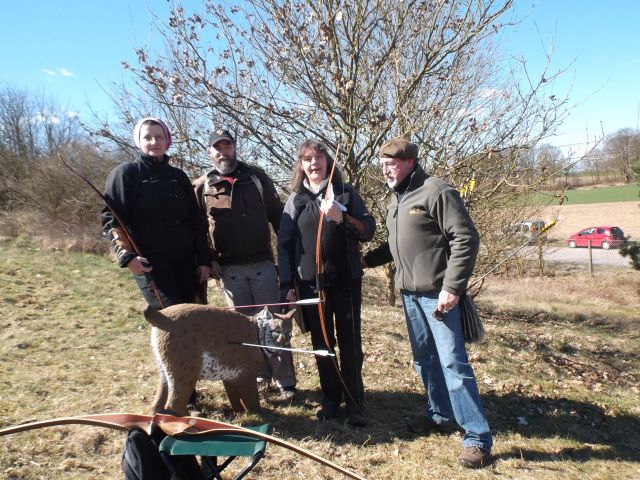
x=68 y=49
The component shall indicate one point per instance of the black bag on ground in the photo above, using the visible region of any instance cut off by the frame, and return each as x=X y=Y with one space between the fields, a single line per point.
x=141 y=459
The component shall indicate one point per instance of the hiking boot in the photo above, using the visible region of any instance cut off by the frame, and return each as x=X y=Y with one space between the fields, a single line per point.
x=288 y=393
x=425 y=426
x=474 y=457
x=328 y=409
x=357 y=418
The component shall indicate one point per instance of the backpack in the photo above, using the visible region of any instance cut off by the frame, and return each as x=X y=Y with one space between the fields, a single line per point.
x=141 y=459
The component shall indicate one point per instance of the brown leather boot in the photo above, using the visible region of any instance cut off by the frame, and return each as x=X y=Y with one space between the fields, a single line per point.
x=474 y=457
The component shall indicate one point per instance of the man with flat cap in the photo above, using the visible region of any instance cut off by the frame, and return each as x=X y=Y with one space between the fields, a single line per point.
x=240 y=203
x=434 y=244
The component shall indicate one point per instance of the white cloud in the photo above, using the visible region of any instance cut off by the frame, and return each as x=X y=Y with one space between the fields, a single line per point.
x=45 y=117
x=66 y=73
x=72 y=114
x=58 y=71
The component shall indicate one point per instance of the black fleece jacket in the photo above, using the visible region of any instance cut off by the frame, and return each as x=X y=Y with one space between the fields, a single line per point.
x=340 y=249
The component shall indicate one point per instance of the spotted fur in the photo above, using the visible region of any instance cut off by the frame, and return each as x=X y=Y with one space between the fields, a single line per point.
x=192 y=342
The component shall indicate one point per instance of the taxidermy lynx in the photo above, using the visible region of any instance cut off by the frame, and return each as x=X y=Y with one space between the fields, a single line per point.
x=192 y=342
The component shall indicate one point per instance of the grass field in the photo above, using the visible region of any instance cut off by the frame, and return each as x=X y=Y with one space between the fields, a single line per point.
x=559 y=374
x=597 y=194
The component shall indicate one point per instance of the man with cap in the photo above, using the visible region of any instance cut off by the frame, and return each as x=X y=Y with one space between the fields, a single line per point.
x=240 y=202
x=434 y=245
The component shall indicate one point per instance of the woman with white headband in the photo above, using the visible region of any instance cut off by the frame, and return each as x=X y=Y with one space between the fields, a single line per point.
x=157 y=206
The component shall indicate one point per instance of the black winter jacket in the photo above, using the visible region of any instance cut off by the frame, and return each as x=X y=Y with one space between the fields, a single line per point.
x=339 y=244
x=156 y=202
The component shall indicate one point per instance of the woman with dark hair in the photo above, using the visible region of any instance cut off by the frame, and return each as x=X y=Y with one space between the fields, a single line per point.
x=347 y=223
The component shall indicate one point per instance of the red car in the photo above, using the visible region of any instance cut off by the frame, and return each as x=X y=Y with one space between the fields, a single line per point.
x=603 y=237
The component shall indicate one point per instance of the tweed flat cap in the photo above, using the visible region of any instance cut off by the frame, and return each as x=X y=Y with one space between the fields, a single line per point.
x=399 y=148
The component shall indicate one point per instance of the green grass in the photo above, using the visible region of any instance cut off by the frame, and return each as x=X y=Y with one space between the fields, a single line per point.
x=623 y=193
x=559 y=375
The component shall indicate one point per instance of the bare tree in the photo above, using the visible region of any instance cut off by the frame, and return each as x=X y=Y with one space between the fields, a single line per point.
x=354 y=74
x=32 y=128
x=37 y=196
x=622 y=150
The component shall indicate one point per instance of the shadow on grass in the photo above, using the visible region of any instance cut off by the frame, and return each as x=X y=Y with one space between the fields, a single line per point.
x=605 y=437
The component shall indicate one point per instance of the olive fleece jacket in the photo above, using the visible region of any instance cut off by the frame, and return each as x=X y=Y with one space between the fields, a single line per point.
x=432 y=239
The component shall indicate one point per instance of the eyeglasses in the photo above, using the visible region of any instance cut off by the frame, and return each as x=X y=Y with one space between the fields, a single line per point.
x=389 y=163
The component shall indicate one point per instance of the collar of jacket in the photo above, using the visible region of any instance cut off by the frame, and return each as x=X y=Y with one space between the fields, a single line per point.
x=412 y=181
x=155 y=161
x=323 y=187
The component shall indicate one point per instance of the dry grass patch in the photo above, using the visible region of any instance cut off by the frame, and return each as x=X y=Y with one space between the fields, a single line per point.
x=560 y=394
x=610 y=296
x=574 y=218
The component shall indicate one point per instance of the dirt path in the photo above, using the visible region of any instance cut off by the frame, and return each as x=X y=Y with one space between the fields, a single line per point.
x=581 y=255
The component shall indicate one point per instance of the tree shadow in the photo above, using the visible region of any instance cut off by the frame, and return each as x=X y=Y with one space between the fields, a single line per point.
x=605 y=436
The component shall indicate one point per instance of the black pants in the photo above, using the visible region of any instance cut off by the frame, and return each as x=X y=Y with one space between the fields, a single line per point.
x=175 y=282
x=342 y=319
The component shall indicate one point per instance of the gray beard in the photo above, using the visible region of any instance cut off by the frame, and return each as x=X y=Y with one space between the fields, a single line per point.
x=225 y=167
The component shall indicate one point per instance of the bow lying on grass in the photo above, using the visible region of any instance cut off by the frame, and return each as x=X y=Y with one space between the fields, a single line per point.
x=173 y=426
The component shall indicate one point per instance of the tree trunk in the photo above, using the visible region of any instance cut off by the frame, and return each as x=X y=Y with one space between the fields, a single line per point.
x=389 y=272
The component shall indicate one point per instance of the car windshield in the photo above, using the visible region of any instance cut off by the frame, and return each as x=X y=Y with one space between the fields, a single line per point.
x=617 y=231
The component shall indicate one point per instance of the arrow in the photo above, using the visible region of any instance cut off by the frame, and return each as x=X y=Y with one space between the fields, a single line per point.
x=320 y=353
x=306 y=301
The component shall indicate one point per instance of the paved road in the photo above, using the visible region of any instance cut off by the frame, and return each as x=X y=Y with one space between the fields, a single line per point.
x=581 y=255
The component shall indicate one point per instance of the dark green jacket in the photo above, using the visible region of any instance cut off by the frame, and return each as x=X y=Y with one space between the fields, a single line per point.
x=431 y=237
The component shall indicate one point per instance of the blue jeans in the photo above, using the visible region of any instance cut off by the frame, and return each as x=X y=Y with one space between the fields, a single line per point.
x=440 y=358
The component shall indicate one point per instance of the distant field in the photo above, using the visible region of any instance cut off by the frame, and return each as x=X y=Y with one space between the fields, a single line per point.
x=623 y=193
x=575 y=217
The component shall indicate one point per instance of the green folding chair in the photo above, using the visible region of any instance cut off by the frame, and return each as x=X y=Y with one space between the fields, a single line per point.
x=210 y=447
